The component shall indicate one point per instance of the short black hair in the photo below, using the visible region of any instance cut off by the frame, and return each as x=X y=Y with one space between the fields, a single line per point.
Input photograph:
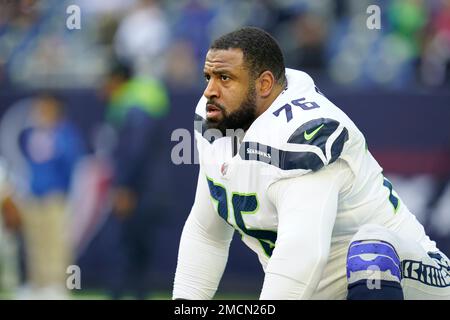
x=261 y=51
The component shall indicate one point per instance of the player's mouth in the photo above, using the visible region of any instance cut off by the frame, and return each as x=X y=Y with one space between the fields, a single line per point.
x=212 y=111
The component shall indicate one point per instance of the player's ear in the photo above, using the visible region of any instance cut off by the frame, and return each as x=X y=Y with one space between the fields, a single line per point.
x=265 y=83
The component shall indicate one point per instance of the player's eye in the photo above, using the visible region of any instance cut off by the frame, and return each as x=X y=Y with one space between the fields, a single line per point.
x=224 y=77
x=207 y=77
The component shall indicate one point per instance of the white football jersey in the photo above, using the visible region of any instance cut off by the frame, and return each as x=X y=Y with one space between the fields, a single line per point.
x=301 y=134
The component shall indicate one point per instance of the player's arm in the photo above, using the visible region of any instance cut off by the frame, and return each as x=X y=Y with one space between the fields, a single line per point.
x=307 y=207
x=203 y=251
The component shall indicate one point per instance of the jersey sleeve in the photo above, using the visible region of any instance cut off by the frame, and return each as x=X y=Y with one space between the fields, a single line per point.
x=302 y=132
x=311 y=131
x=307 y=208
x=203 y=250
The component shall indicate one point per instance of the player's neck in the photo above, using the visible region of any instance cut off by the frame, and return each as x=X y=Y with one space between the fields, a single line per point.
x=267 y=102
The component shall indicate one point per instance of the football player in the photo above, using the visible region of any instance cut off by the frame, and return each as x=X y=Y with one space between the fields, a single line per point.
x=289 y=171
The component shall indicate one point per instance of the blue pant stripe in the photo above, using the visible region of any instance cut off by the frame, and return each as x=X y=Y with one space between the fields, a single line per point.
x=358 y=247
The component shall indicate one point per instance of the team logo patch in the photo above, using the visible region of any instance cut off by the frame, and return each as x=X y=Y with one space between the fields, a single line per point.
x=224 y=168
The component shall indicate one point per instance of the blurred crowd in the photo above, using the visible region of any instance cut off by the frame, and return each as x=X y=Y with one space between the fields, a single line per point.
x=132 y=53
x=169 y=39
x=57 y=187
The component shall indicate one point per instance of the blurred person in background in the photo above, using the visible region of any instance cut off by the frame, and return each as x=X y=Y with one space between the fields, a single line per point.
x=16 y=19
x=183 y=65
x=51 y=146
x=9 y=229
x=307 y=44
x=435 y=63
x=142 y=37
x=136 y=109
x=407 y=19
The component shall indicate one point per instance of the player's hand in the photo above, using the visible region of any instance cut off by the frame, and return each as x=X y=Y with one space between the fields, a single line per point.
x=10 y=214
x=124 y=202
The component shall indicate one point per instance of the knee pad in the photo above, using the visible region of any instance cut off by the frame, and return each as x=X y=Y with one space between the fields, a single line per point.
x=373 y=271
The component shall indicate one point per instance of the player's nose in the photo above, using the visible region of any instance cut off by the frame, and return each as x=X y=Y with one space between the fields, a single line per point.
x=212 y=90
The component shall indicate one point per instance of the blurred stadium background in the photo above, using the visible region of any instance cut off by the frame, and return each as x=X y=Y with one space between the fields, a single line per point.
x=393 y=82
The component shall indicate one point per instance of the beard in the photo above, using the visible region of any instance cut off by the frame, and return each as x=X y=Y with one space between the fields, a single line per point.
x=242 y=118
